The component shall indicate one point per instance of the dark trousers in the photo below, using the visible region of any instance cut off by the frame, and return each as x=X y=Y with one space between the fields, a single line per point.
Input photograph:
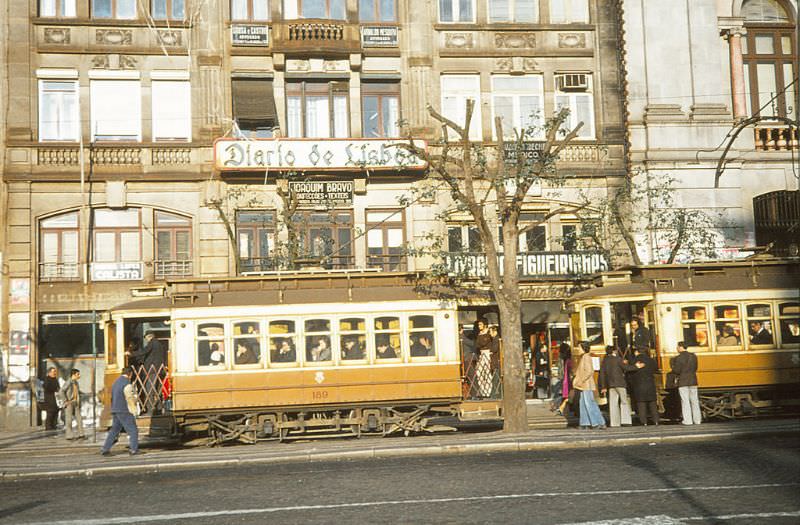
x=128 y=422
x=642 y=407
x=51 y=419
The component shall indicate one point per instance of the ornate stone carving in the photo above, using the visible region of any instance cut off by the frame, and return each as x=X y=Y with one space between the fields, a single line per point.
x=576 y=40
x=530 y=64
x=169 y=37
x=298 y=65
x=128 y=62
x=100 y=62
x=115 y=62
x=459 y=40
x=114 y=37
x=336 y=65
x=503 y=64
x=61 y=156
x=56 y=35
x=515 y=40
x=117 y=155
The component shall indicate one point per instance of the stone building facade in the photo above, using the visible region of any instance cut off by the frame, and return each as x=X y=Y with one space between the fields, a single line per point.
x=723 y=76
x=113 y=186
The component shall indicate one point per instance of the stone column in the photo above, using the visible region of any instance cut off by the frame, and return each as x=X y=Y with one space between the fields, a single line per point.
x=734 y=37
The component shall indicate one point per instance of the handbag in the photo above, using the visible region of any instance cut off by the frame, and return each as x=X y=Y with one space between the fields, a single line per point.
x=602 y=400
x=61 y=399
x=671 y=381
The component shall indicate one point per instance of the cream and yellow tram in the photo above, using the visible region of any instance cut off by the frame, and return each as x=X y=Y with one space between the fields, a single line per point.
x=256 y=359
x=741 y=319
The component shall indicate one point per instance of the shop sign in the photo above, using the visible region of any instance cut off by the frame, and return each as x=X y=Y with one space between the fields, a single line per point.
x=316 y=154
x=20 y=292
x=116 y=271
x=327 y=193
x=535 y=265
x=531 y=149
x=249 y=35
x=379 y=36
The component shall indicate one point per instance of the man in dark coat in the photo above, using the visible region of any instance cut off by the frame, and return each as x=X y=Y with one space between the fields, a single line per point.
x=643 y=385
x=640 y=335
x=611 y=381
x=51 y=386
x=684 y=365
x=153 y=358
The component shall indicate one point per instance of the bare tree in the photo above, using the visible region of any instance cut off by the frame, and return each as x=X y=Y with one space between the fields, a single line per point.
x=490 y=185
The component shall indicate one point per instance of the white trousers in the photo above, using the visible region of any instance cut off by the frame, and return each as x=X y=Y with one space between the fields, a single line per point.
x=619 y=410
x=690 y=405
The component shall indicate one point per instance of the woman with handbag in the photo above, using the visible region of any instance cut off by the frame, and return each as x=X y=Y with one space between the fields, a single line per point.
x=584 y=382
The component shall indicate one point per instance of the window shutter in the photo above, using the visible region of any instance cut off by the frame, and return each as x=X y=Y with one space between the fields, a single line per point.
x=254 y=103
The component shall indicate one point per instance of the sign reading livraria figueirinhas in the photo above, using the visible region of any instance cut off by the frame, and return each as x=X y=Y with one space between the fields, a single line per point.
x=316 y=154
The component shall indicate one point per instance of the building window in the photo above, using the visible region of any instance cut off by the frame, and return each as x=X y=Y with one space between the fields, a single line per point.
x=250 y=10
x=172 y=110
x=173 y=245
x=569 y=236
x=57 y=8
x=519 y=11
x=326 y=237
x=59 y=114
x=326 y=9
x=463 y=238
x=574 y=91
x=117 y=236
x=769 y=51
x=119 y=9
x=534 y=238
x=168 y=9
x=377 y=10
x=385 y=240
x=116 y=110
x=381 y=109
x=255 y=231
x=58 y=259
x=569 y=12
x=254 y=107
x=456 y=90
x=519 y=102
x=317 y=109
x=456 y=11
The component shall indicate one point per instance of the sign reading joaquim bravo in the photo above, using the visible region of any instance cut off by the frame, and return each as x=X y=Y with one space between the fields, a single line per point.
x=315 y=154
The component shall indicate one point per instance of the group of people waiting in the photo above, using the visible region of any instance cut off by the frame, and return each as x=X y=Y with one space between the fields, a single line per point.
x=66 y=397
x=623 y=375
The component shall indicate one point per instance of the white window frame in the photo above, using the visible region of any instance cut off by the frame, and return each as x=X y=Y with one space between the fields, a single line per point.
x=115 y=89
x=57 y=8
x=574 y=11
x=171 y=117
x=463 y=87
x=512 y=12
x=587 y=132
x=516 y=96
x=72 y=124
x=456 y=9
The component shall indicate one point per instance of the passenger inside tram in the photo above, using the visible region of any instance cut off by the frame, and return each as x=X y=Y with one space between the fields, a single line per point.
x=285 y=353
x=217 y=357
x=422 y=347
x=245 y=354
x=321 y=351
x=760 y=333
x=383 y=348
x=352 y=349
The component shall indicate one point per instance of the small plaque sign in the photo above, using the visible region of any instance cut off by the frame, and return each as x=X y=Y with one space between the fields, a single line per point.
x=249 y=35
x=532 y=150
x=379 y=36
x=322 y=193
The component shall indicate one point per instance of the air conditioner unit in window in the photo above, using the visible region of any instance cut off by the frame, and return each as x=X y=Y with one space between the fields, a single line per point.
x=573 y=82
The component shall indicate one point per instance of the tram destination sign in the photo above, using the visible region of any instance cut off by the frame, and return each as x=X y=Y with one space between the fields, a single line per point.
x=533 y=265
x=117 y=271
x=379 y=36
x=315 y=154
x=318 y=193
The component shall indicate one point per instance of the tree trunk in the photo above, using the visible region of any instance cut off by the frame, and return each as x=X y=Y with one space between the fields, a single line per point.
x=515 y=414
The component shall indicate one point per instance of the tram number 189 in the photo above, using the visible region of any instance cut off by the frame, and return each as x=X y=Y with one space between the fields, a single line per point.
x=319 y=395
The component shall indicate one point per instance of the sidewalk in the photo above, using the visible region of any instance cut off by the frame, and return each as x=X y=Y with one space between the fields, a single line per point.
x=37 y=455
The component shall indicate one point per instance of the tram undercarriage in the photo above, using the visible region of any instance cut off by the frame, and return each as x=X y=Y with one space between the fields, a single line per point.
x=314 y=423
x=738 y=404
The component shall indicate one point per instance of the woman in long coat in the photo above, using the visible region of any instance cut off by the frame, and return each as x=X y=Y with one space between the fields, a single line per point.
x=51 y=386
x=644 y=387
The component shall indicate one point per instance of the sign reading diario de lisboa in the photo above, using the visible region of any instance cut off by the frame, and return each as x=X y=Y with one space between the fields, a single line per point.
x=316 y=154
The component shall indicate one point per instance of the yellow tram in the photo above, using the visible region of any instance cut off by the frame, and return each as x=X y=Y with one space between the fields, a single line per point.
x=308 y=355
x=741 y=319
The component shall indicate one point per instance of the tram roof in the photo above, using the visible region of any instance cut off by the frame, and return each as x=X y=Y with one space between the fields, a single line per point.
x=645 y=281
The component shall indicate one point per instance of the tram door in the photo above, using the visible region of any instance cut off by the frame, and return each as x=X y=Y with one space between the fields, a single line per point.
x=147 y=351
x=633 y=325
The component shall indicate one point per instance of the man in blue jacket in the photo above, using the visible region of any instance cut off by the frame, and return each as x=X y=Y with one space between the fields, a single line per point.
x=123 y=408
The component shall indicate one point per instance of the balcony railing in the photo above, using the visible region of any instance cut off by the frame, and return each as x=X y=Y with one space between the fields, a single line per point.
x=121 y=155
x=270 y=264
x=317 y=35
x=387 y=263
x=173 y=268
x=531 y=265
x=777 y=138
x=59 y=272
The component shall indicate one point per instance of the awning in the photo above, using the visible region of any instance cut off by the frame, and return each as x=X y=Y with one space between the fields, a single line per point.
x=254 y=103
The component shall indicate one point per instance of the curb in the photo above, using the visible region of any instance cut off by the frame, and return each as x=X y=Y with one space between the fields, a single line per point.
x=516 y=445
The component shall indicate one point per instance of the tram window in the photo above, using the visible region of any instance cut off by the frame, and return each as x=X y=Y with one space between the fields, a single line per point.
x=759 y=321
x=695 y=326
x=421 y=341
x=318 y=348
x=247 y=351
x=353 y=338
x=727 y=325
x=593 y=316
x=789 y=314
x=387 y=338
x=318 y=325
x=282 y=342
x=211 y=344
x=245 y=328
